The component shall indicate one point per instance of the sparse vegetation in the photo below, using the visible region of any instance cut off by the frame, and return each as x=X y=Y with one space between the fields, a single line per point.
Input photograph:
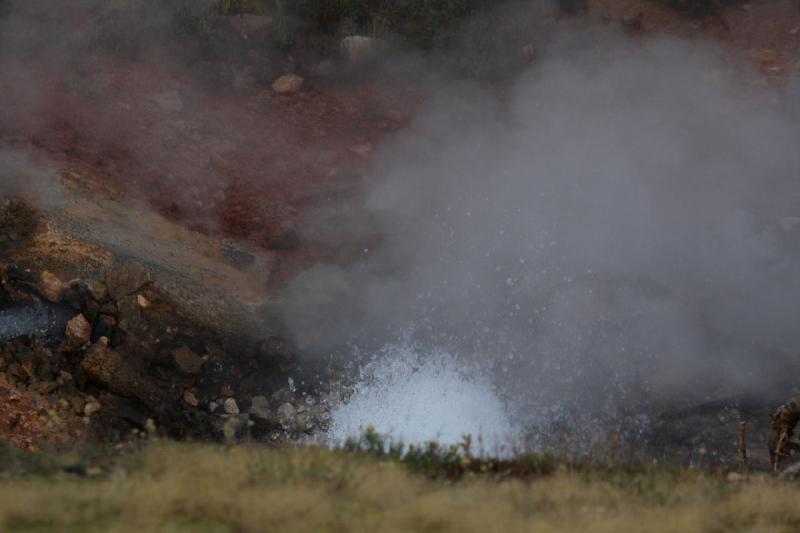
x=190 y=487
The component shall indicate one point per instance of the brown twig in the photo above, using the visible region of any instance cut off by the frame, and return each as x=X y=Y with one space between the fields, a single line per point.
x=780 y=449
x=743 y=444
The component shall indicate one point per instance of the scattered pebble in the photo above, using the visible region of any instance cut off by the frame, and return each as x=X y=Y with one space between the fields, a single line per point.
x=288 y=84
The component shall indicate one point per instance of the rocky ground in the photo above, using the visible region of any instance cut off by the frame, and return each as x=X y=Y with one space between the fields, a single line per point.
x=140 y=265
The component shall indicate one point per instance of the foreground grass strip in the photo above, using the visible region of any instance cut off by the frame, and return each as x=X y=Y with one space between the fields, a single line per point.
x=184 y=487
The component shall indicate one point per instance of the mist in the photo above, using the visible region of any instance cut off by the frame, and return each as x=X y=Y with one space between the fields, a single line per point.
x=617 y=233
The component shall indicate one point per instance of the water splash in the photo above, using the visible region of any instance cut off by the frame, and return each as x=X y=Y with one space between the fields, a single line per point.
x=416 y=397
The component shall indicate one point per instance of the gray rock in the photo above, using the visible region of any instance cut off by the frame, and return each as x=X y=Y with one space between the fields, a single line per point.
x=286 y=414
x=259 y=408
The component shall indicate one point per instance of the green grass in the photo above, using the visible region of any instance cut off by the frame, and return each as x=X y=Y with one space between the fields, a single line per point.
x=165 y=486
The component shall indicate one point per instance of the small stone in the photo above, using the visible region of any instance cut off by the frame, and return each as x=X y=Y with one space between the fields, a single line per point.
x=143 y=302
x=190 y=398
x=286 y=414
x=91 y=407
x=231 y=407
x=5 y=381
x=227 y=391
x=288 y=84
x=259 y=407
x=79 y=331
x=212 y=406
x=188 y=361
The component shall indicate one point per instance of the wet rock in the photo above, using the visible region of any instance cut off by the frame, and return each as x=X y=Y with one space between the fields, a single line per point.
x=78 y=332
x=231 y=407
x=259 y=407
x=288 y=84
x=282 y=396
x=188 y=361
x=286 y=414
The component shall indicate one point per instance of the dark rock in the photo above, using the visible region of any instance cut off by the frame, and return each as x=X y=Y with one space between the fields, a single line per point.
x=108 y=368
x=103 y=327
x=97 y=290
x=188 y=361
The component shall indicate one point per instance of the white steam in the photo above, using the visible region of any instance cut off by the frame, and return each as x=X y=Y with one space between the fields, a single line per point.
x=614 y=234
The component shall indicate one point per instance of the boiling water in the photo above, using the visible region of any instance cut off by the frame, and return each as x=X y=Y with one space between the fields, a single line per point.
x=417 y=397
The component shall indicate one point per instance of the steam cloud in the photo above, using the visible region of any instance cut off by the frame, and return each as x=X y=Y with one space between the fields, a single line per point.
x=619 y=232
